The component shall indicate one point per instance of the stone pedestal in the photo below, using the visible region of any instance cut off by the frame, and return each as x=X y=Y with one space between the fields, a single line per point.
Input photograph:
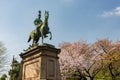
x=40 y=63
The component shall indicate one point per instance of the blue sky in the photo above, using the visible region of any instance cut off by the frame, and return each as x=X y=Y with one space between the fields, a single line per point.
x=69 y=20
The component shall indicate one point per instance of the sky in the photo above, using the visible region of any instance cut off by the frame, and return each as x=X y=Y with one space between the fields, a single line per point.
x=69 y=21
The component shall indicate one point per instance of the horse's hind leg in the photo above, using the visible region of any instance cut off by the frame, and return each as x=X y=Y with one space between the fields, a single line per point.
x=50 y=35
x=37 y=40
x=33 y=43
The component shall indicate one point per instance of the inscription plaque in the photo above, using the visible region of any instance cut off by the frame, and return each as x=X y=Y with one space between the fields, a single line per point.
x=32 y=70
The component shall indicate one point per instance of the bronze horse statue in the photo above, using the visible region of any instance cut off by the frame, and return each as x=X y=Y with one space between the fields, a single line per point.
x=42 y=31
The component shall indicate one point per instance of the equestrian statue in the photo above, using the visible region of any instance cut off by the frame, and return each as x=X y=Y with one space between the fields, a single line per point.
x=42 y=29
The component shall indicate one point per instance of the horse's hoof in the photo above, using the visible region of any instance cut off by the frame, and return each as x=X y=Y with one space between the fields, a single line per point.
x=45 y=36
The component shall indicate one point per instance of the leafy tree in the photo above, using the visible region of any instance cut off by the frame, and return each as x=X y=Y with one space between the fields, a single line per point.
x=14 y=73
x=2 y=57
x=3 y=77
x=110 y=56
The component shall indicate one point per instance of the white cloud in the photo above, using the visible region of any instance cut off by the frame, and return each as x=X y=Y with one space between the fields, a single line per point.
x=114 y=12
x=106 y=14
x=117 y=11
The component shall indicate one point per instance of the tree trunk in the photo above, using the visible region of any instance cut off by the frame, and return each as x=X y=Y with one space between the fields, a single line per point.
x=91 y=78
x=111 y=72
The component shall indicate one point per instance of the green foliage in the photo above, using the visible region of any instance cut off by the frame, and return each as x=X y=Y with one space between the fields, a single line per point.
x=104 y=74
x=14 y=73
x=3 y=77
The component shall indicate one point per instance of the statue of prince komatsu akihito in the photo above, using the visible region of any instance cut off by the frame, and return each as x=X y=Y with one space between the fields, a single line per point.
x=42 y=29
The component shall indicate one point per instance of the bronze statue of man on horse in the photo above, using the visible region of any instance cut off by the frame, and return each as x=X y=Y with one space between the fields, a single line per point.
x=42 y=29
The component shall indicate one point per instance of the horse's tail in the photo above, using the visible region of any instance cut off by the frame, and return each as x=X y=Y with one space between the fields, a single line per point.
x=29 y=39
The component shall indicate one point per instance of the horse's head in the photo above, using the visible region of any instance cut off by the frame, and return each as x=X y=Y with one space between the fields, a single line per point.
x=46 y=14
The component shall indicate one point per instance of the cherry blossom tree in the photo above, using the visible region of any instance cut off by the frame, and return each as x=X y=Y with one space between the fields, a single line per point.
x=110 y=56
x=89 y=59
x=78 y=56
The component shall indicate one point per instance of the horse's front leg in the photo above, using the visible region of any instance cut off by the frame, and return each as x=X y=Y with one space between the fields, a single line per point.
x=42 y=37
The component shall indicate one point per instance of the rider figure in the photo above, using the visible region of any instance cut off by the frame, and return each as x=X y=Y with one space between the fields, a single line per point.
x=38 y=22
